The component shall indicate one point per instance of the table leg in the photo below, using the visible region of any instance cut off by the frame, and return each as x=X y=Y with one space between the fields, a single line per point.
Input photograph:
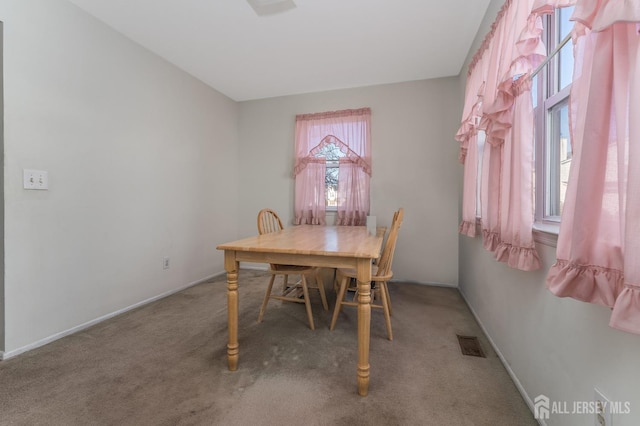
x=364 y=324
x=232 y=267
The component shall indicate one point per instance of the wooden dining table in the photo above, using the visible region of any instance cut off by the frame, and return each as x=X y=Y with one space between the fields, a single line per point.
x=309 y=245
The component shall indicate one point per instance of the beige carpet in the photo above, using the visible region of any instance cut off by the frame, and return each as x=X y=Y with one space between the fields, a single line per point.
x=165 y=364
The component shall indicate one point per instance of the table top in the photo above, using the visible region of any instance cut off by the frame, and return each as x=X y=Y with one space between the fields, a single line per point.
x=347 y=241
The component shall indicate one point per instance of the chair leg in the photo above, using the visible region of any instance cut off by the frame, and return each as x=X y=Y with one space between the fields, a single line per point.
x=338 y=308
x=266 y=298
x=336 y=281
x=307 y=302
x=386 y=292
x=385 y=307
x=323 y=296
x=285 y=283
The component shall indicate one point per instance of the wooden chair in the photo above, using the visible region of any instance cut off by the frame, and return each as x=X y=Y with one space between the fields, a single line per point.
x=380 y=275
x=268 y=221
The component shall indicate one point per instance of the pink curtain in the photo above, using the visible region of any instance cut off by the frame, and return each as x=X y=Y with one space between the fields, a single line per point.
x=469 y=196
x=498 y=102
x=516 y=246
x=310 y=196
x=490 y=196
x=467 y=135
x=598 y=256
x=349 y=130
x=353 y=195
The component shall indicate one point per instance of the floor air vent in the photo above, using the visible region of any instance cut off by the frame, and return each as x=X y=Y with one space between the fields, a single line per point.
x=469 y=345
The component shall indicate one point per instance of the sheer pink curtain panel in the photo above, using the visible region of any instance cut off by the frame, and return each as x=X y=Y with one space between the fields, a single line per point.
x=490 y=196
x=598 y=254
x=353 y=195
x=467 y=135
x=310 y=196
x=469 y=192
x=516 y=246
x=350 y=131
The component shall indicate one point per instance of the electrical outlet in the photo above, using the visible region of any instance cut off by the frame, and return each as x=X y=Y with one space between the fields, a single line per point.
x=165 y=263
x=604 y=415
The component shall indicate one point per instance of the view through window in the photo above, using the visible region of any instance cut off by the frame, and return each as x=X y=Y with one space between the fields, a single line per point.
x=332 y=154
x=550 y=91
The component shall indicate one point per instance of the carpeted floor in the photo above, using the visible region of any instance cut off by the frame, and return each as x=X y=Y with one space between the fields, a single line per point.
x=165 y=364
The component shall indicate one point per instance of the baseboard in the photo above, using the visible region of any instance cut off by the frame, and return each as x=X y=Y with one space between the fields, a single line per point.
x=60 y=335
x=430 y=284
x=504 y=362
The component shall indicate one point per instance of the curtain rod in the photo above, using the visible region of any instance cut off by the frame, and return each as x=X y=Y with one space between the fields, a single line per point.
x=551 y=55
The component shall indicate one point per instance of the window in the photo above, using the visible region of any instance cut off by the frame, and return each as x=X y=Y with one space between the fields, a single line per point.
x=332 y=154
x=550 y=91
x=496 y=138
x=332 y=166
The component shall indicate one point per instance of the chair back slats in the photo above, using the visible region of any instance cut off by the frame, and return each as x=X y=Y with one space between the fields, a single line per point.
x=268 y=221
x=386 y=259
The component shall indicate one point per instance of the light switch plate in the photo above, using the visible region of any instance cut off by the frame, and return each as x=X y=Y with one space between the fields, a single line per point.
x=35 y=179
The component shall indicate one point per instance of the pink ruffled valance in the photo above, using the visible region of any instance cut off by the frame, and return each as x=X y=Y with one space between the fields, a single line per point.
x=547 y=7
x=488 y=39
x=350 y=155
x=600 y=14
x=473 y=112
x=338 y=127
x=522 y=49
x=351 y=114
x=512 y=48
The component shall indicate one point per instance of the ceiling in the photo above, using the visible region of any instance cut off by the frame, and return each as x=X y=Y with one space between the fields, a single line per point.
x=319 y=45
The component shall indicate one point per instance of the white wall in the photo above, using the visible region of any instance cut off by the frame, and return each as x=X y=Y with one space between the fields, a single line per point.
x=561 y=348
x=142 y=163
x=414 y=166
x=1 y=194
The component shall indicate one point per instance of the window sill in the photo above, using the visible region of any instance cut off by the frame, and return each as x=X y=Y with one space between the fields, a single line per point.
x=543 y=233
x=546 y=233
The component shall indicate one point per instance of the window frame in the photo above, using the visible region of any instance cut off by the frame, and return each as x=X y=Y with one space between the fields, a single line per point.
x=333 y=163
x=548 y=97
